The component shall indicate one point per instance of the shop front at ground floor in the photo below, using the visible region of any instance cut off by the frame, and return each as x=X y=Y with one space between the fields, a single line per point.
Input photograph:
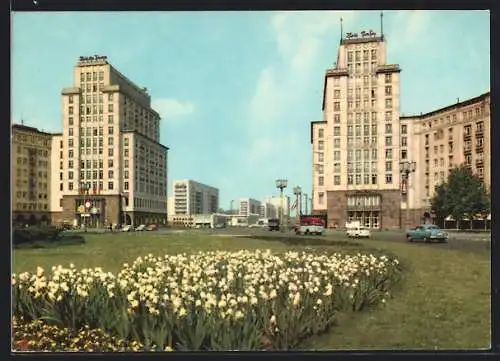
x=102 y=211
x=373 y=209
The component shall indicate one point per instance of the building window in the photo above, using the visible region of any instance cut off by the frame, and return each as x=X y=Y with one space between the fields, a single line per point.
x=388 y=78
x=388 y=90
x=110 y=108
x=321 y=145
x=110 y=97
x=110 y=141
x=388 y=116
x=336 y=118
x=336 y=180
x=110 y=174
x=336 y=94
x=70 y=186
x=70 y=110
x=336 y=131
x=321 y=157
x=388 y=103
x=388 y=141
x=321 y=197
x=125 y=186
x=388 y=166
x=404 y=154
x=125 y=152
x=388 y=154
x=388 y=128
x=404 y=141
x=320 y=133
x=388 y=179
x=110 y=185
x=404 y=129
x=61 y=186
x=125 y=142
x=336 y=106
x=110 y=152
x=374 y=179
x=321 y=181
x=336 y=142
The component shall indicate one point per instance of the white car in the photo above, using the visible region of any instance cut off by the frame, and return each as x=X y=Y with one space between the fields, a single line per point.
x=142 y=227
x=358 y=232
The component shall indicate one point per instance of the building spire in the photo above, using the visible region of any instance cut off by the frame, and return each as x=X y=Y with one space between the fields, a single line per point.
x=341 y=31
x=382 y=25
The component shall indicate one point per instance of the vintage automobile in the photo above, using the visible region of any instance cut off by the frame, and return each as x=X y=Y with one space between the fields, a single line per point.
x=427 y=233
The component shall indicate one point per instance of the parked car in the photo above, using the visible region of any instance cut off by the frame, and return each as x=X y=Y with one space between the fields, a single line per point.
x=127 y=228
x=141 y=227
x=358 y=232
x=152 y=227
x=427 y=233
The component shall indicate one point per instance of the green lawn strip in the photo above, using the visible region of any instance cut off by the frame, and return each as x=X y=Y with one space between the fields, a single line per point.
x=442 y=303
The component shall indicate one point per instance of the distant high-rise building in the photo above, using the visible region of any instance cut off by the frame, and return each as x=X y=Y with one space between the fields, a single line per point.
x=275 y=201
x=113 y=168
x=249 y=206
x=268 y=210
x=31 y=175
x=192 y=197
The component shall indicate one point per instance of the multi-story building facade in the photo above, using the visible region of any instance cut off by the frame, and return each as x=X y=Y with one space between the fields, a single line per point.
x=31 y=175
x=276 y=202
x=356 y=147
x=192 y=197
x=268 y=210
x=112 y=168
x=443 y=139
x=248 y=206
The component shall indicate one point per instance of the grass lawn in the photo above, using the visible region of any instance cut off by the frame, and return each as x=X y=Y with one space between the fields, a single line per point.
x=443 y=302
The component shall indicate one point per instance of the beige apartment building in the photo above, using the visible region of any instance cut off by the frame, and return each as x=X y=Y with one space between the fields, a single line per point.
x=31 y=175
x=110 y=167
x=443 y=139
x=357 y=146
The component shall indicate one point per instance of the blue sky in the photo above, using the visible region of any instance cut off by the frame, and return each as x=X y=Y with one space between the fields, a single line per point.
x=237 y=90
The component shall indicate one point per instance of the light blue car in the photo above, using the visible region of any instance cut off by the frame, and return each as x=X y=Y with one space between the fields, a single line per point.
x=427 y=233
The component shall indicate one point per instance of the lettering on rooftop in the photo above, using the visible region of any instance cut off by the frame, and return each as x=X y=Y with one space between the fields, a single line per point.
x=364 y=34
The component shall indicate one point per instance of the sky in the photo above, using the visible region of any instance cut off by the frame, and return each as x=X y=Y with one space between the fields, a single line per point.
x=237 y=90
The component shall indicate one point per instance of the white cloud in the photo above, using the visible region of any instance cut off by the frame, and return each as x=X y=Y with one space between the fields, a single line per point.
x=410 y=27
x=281 y=85
x=172 y=108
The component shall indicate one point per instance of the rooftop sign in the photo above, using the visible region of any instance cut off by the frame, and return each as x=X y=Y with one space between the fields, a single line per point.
x=93 y=58
x=364 y=34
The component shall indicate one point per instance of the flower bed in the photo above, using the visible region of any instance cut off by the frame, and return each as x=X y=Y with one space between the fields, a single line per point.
x=208 y=301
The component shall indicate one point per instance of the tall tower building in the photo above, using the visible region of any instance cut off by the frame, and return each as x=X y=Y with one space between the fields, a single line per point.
x=112 y=167
x=356 y=147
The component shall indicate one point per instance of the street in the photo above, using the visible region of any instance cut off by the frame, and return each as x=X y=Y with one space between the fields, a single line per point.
x=471 y=242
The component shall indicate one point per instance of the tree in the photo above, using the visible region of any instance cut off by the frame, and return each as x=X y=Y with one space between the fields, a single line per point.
x=462 y=194
x=438 y=203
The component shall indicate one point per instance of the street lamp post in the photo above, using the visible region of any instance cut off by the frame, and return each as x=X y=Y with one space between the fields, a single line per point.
x=298 y=194
x=306 y=207
x=406 y=168
x=281 y=184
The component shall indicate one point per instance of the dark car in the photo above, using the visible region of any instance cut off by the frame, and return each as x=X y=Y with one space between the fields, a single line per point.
x=152 y=227
x=273 y=224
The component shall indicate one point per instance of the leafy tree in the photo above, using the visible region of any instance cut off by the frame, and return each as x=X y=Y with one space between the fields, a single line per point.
x=462 y=194
x=439 y=205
